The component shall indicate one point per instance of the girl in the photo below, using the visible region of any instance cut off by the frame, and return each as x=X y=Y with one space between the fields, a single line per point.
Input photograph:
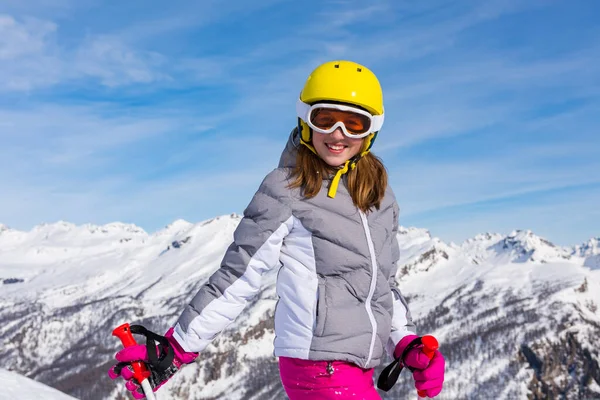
x=329 y=217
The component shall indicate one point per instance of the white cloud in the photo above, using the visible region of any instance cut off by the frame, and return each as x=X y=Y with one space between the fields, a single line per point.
x=22 y=39
x=35 y=140
x=346 y=15
x=428 y=186
x=114 y=63
x=38 y=7
x=472 y=91
x=31 y=58
x=27 y=54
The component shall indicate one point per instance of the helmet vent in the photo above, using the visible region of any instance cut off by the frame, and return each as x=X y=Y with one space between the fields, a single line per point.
x=336 y=66
x=359 y=69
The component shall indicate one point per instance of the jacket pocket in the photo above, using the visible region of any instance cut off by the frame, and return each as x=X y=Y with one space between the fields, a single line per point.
x=321 y=309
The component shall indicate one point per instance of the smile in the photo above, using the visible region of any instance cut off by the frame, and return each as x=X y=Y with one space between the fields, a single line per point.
x=336 y=147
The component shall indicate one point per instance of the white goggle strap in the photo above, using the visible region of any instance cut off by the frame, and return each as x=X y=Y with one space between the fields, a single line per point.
x=377 y=122
x=302 y=110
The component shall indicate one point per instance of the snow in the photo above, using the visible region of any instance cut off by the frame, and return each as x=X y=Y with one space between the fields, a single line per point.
x=591 y=248
x=15 y=386
x=592 y=262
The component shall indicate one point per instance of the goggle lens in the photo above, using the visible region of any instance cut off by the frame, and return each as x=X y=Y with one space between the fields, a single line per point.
x=326 y=118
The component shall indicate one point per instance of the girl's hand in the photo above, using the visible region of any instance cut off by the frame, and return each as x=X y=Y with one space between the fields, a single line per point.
x=168 y=360
x=427 y=373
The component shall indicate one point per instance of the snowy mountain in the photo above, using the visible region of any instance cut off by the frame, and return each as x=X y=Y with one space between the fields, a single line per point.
x=517 y=316
x=590 y=252
x=15 y=386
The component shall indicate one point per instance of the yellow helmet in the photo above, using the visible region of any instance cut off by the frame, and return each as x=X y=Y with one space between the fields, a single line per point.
x=346 y=82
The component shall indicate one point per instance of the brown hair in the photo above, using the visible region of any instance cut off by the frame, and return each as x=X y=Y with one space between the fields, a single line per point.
x=366 y=183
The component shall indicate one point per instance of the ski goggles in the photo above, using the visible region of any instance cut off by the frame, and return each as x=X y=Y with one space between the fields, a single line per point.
x=327 y=117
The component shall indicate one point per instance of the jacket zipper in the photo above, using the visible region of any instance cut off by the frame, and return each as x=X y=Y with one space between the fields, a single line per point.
x=365 y=223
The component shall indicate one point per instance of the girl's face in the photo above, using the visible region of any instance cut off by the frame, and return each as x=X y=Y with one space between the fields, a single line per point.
x=336 y=148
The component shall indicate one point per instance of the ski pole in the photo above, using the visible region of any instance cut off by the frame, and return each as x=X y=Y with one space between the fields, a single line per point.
x=140 y=372
x=430 y=345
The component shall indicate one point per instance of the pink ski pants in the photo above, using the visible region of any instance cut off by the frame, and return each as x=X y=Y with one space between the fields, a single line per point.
x=323 y=380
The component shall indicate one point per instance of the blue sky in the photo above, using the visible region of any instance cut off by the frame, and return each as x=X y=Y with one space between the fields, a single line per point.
x=147 y=111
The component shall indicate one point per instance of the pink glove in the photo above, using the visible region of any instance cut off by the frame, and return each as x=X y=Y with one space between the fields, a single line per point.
x=162 y=365
x=428 y=374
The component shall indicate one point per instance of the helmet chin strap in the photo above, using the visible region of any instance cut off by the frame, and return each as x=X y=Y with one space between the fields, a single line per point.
x=306 y=140
x=336 y=179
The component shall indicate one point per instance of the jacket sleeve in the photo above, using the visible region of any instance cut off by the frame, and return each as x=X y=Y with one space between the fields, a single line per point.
x=402 y=323
x=255 y=250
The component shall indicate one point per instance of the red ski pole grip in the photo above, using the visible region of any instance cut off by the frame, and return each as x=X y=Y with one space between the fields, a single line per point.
x=140 y=372
x=430 y=345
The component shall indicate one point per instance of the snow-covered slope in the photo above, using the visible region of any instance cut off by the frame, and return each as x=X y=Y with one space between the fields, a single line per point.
x=15 y=386
x=516 y=315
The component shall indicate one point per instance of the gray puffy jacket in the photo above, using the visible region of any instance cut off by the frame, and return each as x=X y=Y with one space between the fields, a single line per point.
x=338 y=299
